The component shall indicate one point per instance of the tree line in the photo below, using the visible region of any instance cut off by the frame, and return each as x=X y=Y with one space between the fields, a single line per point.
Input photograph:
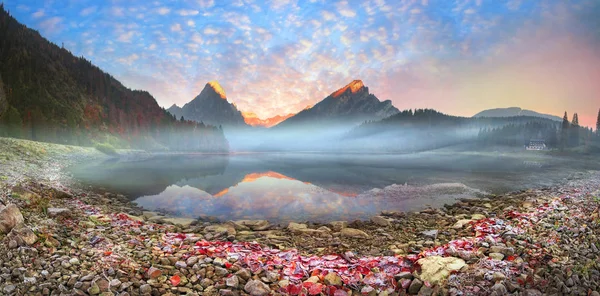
x=53 y=96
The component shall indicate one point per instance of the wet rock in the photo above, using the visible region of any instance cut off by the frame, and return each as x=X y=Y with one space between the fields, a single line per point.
x=436 y=268
x=415 y=286
x=353 y=233
x=10 y=216
x=381 y=221
x=257 y=288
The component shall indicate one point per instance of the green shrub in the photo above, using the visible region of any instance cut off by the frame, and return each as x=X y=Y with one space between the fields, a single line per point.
x=106 y=148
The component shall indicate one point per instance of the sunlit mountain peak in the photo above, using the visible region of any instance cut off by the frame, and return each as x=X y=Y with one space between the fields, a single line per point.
x=354 y=87
x=218 y=88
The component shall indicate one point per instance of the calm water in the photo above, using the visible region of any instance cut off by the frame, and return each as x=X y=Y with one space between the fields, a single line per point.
x=300 y=187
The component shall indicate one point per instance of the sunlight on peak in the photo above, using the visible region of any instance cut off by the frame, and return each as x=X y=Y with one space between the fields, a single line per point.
x=218 y=88
x=354 y=87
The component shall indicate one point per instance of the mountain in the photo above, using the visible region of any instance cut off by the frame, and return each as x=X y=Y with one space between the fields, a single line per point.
x=351 y=104
x=210 y=107
x=253 y=120
x=54 y=96
x=514 y=111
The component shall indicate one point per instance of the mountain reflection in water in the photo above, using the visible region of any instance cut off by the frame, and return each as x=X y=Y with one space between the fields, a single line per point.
x=317 y=187
x=266 y=195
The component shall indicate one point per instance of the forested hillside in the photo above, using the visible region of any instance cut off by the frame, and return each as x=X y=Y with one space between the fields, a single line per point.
x=54 y=96
x=425 y=129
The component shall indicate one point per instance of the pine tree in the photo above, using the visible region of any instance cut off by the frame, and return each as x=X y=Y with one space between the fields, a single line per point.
x=574 y=131
x=564 y=132
x=598 y=125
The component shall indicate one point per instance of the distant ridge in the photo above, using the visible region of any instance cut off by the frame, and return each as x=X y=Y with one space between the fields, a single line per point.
x=514 y=111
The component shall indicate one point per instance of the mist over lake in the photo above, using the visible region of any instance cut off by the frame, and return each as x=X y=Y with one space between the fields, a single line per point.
x=318 y=187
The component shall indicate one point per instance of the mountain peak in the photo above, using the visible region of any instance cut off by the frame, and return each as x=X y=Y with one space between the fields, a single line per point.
x=354 y=87
x=217 y=88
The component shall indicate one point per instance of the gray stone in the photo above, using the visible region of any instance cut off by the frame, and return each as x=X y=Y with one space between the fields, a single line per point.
x=145 y=289
x=257 y=288
x=381 y=221
x=232 y=281
x=415 y=286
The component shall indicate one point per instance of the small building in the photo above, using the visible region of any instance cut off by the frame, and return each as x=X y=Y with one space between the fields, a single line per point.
x=536 y=144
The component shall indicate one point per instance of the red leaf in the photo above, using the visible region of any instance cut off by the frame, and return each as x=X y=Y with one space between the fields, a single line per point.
x=107 y=253
x=175 y=280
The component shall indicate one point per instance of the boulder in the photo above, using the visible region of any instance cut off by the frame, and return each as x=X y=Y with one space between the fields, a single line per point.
x=295 y=227
x=183 y=222
x=219 y=228
x=338 y=225
x=22 y=236
x=381 y=221
x=332 y=279
x=354 y=233
x=256 y=225
x=434 y=269
x=10 y=216
x=257 y=288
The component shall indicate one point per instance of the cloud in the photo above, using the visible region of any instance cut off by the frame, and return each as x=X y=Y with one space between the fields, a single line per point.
x=328 y=16
x=191 y=23
x=51 y=25
x=38 y=14
x=126 y=36
x=117 y=11
x=188 y=12
x=87 y=11
x=345 y=10
x=128 y=60
x=176 y=28
x=206 y=3
x=163 y=10
x=210 y=31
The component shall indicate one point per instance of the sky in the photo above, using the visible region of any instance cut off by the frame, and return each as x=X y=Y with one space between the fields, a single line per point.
x=277 y=57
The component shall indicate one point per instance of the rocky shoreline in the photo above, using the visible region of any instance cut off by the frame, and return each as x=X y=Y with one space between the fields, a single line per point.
x=61 y=239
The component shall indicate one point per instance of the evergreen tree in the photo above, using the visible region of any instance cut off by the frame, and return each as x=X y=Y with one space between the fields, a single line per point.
x=574 y=131
x=564 y=132
x=182 y=119
x=598 y=125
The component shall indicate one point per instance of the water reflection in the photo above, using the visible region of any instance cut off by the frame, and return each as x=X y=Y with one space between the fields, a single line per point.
x=262 y=195
x=282 y=187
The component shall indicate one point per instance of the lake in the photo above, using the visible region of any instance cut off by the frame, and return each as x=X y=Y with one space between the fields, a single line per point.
x=283 y=187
